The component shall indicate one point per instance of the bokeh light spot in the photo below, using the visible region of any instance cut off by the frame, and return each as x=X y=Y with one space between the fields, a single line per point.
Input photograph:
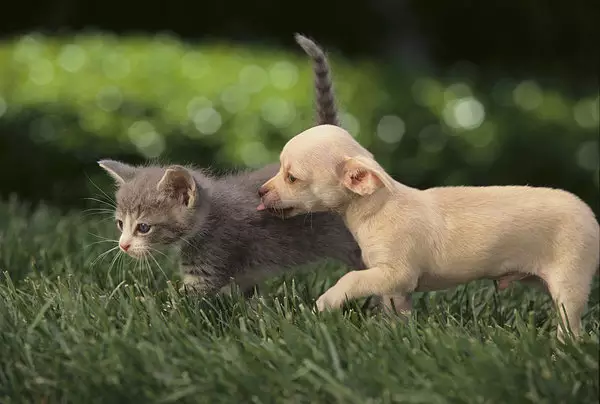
x=553 y=107
x=254 y=154
x=465 y=113
x=194 y=65
x=71 y=58
x=587 y=155
x=502 y=92
x=116 y=66
x=278 y=112
x=27 y=50
x=3 y=107
x=457 y=91
x=253 y=78
x=208 y=121
x=391 y=129
x=528 y=95
x=427 y=92
x=41 y=72
x=146 y=139
x=109 y=98
x=43 y=130
x=350 y=123
x=483 y=136
x=284 y=75
x=197 y=104
x=585 y=113
x=235 y=99
x=432 y=139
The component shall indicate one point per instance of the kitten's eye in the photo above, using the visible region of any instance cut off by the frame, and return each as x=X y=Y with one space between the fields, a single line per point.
x=120 y=225
x=143 y=228
x=291 y=178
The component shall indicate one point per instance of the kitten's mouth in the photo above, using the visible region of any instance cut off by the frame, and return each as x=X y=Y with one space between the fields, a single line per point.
x=136 y=253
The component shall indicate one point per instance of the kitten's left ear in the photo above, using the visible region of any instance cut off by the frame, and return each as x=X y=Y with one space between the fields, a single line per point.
x=364 y=176
x=179 y=183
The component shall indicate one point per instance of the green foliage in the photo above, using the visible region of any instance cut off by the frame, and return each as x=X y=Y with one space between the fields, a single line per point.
x=139 y=92
x=76 y=326
x=66 y=102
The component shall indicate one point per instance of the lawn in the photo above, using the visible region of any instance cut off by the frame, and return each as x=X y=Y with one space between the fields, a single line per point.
x=79 y=327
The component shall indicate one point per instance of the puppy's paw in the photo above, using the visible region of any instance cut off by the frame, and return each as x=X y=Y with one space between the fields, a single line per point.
x=329 y=301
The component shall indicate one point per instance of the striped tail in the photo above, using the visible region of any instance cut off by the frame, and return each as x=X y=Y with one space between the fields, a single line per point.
x=326 y=109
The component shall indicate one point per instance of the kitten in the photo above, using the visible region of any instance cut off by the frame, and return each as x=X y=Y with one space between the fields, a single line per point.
x=222 y=237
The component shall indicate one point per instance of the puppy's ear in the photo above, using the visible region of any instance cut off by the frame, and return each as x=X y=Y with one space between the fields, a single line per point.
x=121 y=172
x=364 y=176
x=178 y=183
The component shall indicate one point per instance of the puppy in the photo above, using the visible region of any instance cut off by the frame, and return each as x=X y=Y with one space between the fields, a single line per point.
x=437 y=238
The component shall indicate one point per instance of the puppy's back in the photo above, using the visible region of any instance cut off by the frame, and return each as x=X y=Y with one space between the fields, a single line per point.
x=499 y=201
x=517 y=218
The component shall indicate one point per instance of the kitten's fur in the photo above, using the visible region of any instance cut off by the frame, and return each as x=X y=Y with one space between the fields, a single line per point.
x=223 y=237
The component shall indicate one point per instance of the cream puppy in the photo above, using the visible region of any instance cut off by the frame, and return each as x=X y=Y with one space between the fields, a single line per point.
x=437 y=238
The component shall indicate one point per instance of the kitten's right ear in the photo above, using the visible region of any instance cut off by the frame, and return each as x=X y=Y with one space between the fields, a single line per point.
x=121 y=172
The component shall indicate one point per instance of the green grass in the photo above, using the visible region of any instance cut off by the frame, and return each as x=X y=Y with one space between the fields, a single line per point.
x=75 y=330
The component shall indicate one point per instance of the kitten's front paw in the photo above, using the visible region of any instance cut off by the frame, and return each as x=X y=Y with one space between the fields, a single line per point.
x=192 y=284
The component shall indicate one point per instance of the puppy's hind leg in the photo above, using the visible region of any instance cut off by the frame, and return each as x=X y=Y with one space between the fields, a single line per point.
x=570 y=288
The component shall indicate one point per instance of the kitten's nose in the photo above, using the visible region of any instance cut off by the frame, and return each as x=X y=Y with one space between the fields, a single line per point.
x=125 y=246
x=262 y=191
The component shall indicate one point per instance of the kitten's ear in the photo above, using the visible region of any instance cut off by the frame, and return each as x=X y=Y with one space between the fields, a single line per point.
x=364 y=176
x=121 y=172
x=180 y=184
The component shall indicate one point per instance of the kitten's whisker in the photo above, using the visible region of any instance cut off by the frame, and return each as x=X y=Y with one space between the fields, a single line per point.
x=101 y=237
x=100 y=241
x=143 y=263
x=160 y=252
x=98 y=212
x=117 y=266
x=159 y=267
x=100 y=189
x=148 y=267
x=111 y=204
x=117 y=255
x=188 y=243
x=103 y=255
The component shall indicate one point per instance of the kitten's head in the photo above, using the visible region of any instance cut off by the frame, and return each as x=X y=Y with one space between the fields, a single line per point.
x=156 y=206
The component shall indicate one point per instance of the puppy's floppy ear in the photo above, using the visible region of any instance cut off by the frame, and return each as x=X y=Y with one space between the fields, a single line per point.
x=121 y=172
x=364 y=176
x=179 y=184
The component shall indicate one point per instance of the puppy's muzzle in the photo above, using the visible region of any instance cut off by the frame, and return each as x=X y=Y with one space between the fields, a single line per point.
x=262 y=191
x=268 y=199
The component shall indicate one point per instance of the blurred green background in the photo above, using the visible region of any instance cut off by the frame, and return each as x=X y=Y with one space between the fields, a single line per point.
x=501 y=108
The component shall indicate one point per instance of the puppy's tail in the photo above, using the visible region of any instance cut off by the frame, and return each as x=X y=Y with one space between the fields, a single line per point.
x=327 y=113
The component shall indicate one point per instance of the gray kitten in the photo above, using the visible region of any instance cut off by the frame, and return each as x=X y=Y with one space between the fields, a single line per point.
x=223 y=238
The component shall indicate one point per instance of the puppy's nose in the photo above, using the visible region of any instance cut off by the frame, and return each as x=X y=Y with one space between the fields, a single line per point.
x=125 y=246
x=262 y=191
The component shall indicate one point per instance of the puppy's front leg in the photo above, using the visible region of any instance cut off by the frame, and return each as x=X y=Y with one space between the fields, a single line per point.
x=380 y=280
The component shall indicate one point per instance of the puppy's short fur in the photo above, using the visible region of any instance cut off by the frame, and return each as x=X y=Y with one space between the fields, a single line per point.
x=424 y=240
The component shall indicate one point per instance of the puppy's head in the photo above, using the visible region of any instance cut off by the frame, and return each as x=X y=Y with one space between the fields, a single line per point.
x=322 y=169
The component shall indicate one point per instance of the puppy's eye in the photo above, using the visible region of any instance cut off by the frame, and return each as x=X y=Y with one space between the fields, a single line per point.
x=143 y=228
x=120 y=225
x=291 y=178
